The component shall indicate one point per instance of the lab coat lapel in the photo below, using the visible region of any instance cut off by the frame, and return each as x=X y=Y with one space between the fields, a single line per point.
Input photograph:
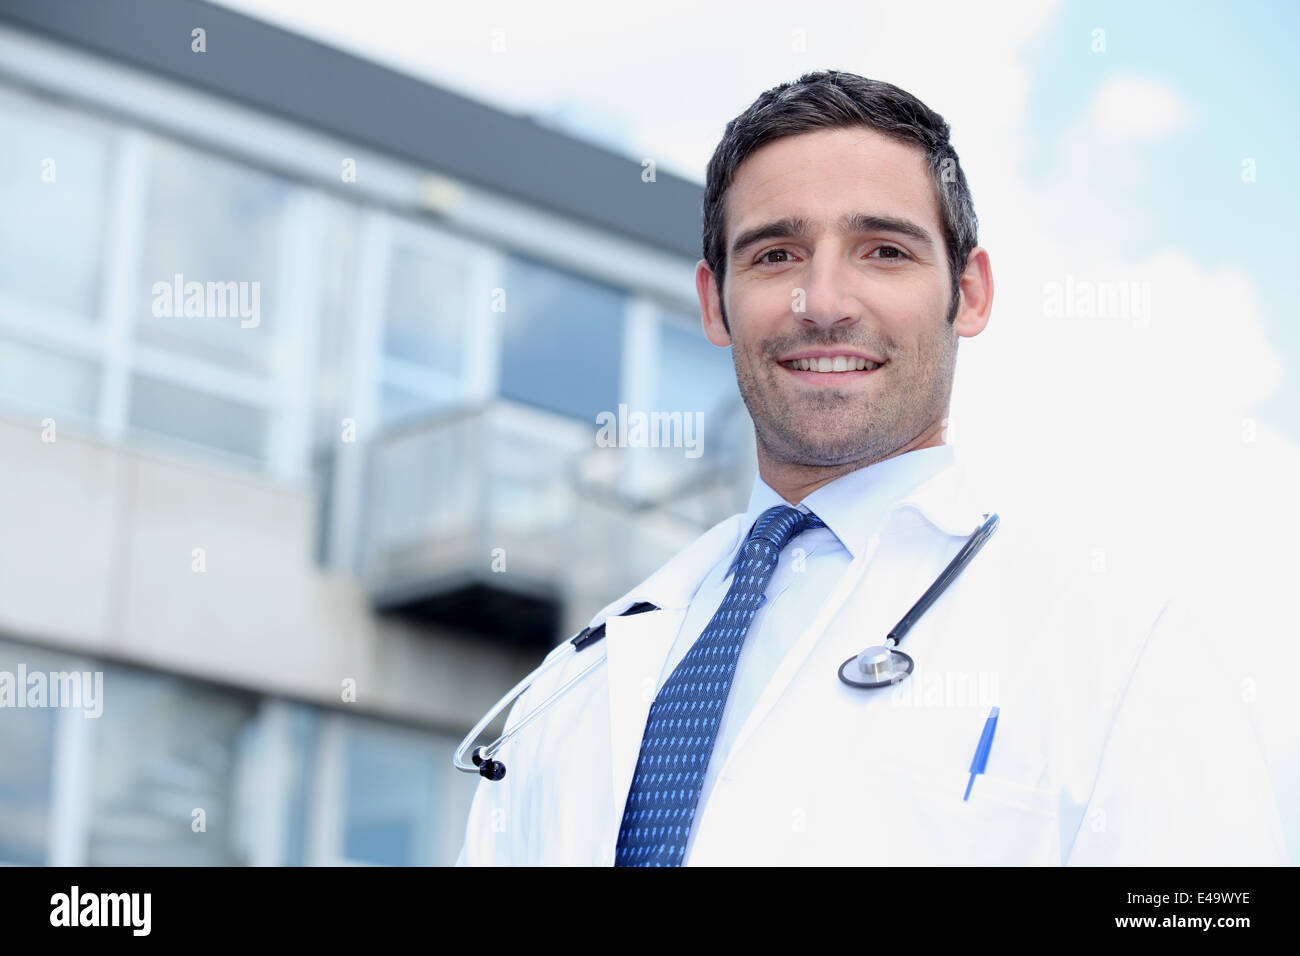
x=947 y=500
x=637 y=646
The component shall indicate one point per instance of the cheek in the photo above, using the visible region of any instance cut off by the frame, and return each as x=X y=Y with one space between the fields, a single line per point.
x=909 y=319
x=755 y=320
x=763 y=304
x=906 y=304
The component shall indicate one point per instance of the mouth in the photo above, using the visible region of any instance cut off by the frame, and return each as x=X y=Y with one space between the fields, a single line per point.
x=831 y=369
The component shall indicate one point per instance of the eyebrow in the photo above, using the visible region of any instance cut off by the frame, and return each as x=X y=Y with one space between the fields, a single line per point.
x=797 y=227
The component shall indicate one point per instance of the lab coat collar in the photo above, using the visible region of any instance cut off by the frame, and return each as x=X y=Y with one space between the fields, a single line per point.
x=854 y=504
x=948 y=500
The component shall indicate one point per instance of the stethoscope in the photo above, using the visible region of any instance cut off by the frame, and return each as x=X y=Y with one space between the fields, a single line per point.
x=881 y=665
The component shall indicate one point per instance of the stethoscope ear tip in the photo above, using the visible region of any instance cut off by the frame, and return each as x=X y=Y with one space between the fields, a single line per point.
x=491 y=769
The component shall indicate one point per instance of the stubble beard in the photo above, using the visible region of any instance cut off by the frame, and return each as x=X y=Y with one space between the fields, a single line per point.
x=832 y=426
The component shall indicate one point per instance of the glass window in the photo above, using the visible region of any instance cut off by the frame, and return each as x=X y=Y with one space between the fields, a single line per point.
x=425 y=324
x=397 y=404
x=166 y=747
x=26 y=754
x=694 y=374
x=337 y=323
x=173 y=411
x=47 y=382
x=696 y=380
x=304 y=732
x=561 y=341
x=54 y=180
x=425 y=320
x=216 y=223
x=389 y=789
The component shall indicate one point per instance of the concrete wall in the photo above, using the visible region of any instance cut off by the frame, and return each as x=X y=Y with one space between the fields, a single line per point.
x=97 y=554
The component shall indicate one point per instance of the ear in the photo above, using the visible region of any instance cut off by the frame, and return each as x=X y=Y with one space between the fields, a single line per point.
x=976 y=294
x=710 y=305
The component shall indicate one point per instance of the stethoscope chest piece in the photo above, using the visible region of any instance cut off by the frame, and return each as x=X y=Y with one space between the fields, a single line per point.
x=877 y=666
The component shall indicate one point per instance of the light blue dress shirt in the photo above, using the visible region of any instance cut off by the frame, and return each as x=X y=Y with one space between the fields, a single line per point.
x=853 y=507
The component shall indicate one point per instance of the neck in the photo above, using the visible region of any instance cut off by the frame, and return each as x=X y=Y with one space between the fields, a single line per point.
x=795 y=481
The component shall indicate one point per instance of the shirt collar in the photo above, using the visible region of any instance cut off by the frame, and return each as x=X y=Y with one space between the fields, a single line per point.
x=855 y=505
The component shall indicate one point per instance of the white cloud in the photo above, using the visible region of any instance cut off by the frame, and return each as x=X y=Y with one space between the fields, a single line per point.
x=1135 y=108
x=1176 y=366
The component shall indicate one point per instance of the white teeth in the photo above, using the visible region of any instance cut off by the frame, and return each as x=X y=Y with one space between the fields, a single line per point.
x=839 y=363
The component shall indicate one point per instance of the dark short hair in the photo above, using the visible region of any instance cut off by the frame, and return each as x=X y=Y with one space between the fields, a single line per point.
x=833 y=99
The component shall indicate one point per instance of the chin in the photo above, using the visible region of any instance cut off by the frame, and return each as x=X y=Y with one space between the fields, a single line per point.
x=848 y=449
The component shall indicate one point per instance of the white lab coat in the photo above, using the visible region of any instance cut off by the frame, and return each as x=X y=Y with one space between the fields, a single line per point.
x=1115 y=743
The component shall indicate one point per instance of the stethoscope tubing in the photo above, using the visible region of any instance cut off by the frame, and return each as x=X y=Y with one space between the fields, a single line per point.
x=482 y=762
x=458 y=759
x=946 y=576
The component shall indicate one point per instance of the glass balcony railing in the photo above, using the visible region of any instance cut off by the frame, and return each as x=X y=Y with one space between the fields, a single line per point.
x=506 y=511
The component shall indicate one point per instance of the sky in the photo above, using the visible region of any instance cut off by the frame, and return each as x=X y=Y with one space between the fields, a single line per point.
x=1152 y=130
x=1105 y=144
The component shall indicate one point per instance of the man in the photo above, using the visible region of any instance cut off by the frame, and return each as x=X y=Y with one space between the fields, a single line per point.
x=841 y=266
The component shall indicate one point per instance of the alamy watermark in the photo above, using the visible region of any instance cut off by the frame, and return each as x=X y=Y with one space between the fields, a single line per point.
x=944 y=689
x=83 y=690
x=1074 y=298
x=651 y=430
x=212 y=300
x=75 y=908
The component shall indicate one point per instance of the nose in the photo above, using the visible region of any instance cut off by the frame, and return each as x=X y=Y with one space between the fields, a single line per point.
x=827 y=297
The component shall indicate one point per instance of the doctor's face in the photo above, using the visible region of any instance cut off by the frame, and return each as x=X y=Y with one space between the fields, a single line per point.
x=835 y=253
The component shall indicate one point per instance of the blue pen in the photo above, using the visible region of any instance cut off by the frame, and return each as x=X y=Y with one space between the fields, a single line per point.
x=981 y=758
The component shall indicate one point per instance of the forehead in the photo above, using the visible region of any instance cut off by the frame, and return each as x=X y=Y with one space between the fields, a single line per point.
x=826 y=173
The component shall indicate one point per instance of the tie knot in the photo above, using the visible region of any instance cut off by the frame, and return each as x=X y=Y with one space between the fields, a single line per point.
x=780 y=523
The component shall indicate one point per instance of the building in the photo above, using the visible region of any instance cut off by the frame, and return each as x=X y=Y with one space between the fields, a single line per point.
x=302 y=368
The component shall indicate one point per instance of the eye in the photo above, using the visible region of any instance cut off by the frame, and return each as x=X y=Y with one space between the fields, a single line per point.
x=898 y=253
x=763 y=259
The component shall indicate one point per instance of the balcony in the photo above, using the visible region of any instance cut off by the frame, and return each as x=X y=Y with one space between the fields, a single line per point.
x=512 y=523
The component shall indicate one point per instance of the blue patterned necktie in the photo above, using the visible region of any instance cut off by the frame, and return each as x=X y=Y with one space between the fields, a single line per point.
x=684 y=718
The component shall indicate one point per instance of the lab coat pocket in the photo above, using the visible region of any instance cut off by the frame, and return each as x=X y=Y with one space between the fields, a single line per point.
x=997 y=790
x=1003 y=823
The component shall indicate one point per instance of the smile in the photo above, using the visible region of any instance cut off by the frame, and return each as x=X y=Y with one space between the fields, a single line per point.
x=836 y=364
